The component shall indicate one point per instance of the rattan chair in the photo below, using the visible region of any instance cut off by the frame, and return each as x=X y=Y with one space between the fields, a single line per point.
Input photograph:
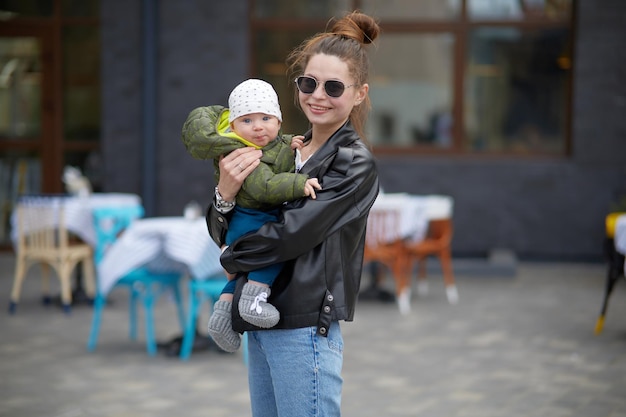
x=43 y=238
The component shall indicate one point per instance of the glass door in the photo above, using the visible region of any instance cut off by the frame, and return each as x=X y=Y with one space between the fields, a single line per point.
x=26 y=117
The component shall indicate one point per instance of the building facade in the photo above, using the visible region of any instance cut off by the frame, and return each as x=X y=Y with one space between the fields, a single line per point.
x=159 y=60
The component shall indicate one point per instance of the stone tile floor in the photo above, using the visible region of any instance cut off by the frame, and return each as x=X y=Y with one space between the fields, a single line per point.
x=519 y=345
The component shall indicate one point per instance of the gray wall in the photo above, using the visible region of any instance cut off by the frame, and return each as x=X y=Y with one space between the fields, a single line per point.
x=202 y=52
x=538 y=207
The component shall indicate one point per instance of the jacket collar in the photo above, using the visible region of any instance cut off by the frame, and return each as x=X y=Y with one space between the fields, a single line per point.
x=344 y=136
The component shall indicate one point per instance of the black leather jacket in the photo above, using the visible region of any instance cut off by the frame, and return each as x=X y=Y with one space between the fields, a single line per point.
x=321 y=241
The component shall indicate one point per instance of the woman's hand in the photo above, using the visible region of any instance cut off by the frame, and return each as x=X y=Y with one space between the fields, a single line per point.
x=235 y=168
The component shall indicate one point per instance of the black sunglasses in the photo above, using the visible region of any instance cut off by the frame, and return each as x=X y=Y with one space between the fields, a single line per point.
x=308 y=85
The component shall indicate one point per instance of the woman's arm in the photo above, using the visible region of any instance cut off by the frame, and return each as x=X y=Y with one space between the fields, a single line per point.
x=306 y=223
x=234 y=168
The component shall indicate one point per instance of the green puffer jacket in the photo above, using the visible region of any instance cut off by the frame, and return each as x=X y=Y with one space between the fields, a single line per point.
x=207 y=135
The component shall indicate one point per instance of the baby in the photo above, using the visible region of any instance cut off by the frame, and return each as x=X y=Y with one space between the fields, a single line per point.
x=252 y=119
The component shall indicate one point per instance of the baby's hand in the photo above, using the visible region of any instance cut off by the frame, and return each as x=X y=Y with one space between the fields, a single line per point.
x=310 y=186
x=297 y=142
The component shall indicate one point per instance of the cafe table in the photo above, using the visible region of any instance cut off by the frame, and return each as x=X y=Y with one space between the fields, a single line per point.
x=164 y=244
x=78 y=210
x=173 y=244
x=412 y=212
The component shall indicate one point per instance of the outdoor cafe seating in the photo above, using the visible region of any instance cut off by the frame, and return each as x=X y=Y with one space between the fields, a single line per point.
x=49 y=245
x=144 y=286
x=171 y=245
x=57 y=230
x=405 y=229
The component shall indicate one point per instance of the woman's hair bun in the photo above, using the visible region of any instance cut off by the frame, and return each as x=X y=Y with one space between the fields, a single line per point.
x=358 y=26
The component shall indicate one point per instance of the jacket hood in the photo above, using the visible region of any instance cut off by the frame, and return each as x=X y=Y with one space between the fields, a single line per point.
x=206 y=133
x=223 y=129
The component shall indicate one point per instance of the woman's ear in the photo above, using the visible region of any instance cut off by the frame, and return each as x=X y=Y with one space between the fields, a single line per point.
x=361 y=94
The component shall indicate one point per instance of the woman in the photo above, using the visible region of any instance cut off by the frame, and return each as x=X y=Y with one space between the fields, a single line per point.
x=295 y=367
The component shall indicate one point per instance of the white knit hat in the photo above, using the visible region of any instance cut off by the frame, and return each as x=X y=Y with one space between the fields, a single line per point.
x=253 y=96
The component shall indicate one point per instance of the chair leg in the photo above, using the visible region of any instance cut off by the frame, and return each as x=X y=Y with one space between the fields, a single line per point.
x=446 y=267
x=132 y=314
x=89 y=276
x=612 y=277
x=179 y=304
x=148 y=304
x=448 y=277
x=64 y=272
x=20 y=273
x=401 y=273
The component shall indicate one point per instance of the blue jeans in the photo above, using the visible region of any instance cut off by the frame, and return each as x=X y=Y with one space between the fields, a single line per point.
x=295 y=372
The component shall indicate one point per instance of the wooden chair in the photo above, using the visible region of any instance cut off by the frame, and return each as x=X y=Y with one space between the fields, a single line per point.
x=437 y=243
x=384 y=244
x=43 y=238
x=144 y=286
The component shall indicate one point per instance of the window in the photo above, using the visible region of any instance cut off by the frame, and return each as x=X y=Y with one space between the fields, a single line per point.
x=49 y=97
x=447 y=76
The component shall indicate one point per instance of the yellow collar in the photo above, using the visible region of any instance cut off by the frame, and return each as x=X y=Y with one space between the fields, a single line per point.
x=223 y=128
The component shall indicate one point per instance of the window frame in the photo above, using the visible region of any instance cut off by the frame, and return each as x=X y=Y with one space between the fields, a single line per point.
x=459 y=28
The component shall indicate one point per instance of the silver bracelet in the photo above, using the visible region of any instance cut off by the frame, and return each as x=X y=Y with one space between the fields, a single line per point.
x=221 y=204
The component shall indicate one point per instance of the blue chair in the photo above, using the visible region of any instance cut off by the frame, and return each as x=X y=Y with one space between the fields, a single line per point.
x=143 y=285
x=200 y=291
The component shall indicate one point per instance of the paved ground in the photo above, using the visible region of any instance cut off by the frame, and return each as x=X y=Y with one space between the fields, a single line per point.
x=518 y=345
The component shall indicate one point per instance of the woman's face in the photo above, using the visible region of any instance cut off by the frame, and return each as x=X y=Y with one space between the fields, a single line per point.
x=322 y=110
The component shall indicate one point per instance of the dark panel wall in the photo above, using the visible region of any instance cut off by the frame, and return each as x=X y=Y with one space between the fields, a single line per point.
x=121 y=95
x=202 y=53
x=539 y=208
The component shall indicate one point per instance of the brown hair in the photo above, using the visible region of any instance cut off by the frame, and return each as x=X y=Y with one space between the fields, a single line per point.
x=345 y=40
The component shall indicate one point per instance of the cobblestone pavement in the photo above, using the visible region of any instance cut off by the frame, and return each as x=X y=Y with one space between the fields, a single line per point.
x=519 y=345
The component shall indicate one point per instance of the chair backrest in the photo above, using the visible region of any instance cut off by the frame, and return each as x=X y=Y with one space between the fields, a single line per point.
x=383 y=227
x=109 y=222
x=40 y=227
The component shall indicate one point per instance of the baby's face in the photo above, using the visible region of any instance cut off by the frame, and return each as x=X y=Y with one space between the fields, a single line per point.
x=258 y=128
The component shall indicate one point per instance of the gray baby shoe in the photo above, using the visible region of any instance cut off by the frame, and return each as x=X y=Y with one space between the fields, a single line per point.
x=221 y=328
x=254 y=308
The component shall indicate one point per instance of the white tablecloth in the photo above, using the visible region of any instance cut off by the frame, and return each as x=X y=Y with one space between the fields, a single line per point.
x=410 y=215
x=78 y=211
x=413 y=213
x=161 y=244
